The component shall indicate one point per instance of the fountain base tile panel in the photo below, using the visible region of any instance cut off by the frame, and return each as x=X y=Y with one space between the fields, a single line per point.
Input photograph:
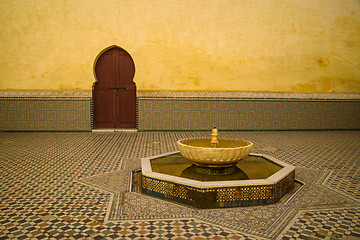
x=221 y=193
x=241 y=196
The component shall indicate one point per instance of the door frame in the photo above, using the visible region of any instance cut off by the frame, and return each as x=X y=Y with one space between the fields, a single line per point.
x=93 y=112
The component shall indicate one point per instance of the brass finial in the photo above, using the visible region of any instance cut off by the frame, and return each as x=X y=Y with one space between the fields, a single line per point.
x=214 y=136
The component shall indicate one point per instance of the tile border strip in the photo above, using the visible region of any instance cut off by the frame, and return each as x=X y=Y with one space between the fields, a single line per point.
x=37 y=94
x=240 y=95
x=189 y=94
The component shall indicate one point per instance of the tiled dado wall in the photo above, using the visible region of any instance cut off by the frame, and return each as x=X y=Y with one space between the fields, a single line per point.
x=157 y=111
x=45 y=111
x=247 y=111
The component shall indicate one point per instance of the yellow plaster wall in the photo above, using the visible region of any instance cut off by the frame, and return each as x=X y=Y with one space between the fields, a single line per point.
x=189 y=45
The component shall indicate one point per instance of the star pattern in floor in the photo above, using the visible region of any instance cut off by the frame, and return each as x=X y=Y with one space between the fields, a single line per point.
x=77 y=186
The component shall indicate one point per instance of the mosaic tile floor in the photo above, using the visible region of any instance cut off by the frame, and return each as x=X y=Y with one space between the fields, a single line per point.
x=76 y=186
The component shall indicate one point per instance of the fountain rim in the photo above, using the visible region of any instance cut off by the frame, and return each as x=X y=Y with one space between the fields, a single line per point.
x=147 y=171
x=250 y=144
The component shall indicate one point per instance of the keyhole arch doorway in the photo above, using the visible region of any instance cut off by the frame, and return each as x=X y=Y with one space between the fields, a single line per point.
x=114 y=91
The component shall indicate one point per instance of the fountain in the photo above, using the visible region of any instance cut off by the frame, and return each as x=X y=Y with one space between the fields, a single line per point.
x=216 y=172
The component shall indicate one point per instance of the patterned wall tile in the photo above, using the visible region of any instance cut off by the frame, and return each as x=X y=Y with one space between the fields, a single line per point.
x=50 y=113
x=45 y=114
x=247 y=114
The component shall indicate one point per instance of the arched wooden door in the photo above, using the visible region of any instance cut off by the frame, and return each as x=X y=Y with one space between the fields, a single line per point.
x=114 y=92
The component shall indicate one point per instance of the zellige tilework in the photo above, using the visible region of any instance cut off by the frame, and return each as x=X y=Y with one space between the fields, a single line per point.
x=62 y=185
x=45 y=114
x=203 y=113
x=42 y=198
x=185 y=111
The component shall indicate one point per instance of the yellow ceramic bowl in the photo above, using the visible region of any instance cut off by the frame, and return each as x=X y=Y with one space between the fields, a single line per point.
x=202 y=152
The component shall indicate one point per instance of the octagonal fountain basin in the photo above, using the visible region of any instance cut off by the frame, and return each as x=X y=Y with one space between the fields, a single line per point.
x=226 y=152
x=257 y=179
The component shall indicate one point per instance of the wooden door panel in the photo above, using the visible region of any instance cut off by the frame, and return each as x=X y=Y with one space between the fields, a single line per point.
x=125 y=111
x=115 y=92
x=126 y=70
x=105 y=70
x=104 y=114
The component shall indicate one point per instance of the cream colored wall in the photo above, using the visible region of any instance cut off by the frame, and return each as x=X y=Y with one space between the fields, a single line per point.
x=190 y=45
